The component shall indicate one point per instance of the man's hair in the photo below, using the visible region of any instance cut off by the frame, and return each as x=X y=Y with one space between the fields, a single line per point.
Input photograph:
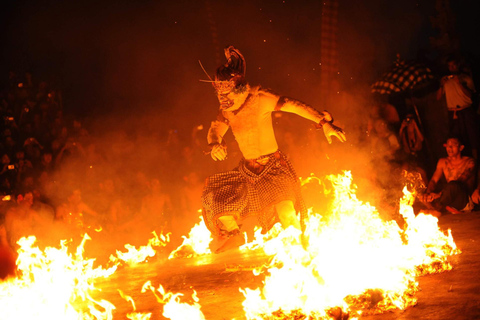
x=455 y=137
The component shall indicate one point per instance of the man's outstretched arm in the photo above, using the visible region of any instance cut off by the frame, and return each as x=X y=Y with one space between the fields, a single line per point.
x=322 y=119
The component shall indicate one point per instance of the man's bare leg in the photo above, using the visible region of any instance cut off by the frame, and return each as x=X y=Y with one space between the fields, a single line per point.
x=287 y=214
x=288 y=217
x=236 y=239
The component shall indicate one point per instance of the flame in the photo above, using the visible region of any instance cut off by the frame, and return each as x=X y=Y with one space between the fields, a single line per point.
x=196 y=244
x=53 y=284
x=173 y=308
x=354 y=262
x=134 y=315
x=134 y=256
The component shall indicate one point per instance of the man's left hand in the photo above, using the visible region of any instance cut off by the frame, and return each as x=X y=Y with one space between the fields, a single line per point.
x=330 y=130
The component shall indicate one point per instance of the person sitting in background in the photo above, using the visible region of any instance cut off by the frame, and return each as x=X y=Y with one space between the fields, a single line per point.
x=75 y=212
x=156 y=206
x=458 y=172
x=384 y=142
x=21 y=220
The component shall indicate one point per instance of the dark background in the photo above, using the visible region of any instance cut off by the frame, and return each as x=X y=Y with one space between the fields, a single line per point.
x=139 y=59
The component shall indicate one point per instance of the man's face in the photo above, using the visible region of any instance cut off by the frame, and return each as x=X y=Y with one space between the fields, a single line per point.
x=47 y=158
x=453 y=67
x=224 y=93
x=453 y=147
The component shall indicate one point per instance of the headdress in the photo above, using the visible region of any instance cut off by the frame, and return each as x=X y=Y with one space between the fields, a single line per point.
x=234 y=69
x=230 y=75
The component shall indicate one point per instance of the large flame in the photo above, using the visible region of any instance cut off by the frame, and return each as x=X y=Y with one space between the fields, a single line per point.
x=354 y=263
x=53 y=284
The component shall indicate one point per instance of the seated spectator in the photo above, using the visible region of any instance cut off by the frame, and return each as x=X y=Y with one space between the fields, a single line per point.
x=458 y=172
x=74 y=212
x=33 y=150
x=8 y=175
x=40 y=205
x=111 y=205
x=156 y=206
x=72 y=152
x=46 y=163
x=23 y=167
x=21 y=220
x=384 y=142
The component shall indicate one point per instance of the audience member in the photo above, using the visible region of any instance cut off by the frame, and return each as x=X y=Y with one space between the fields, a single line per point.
x=74 y=212
x=459 y=174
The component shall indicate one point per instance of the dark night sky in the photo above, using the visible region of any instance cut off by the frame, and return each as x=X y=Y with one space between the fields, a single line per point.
x=142 y=56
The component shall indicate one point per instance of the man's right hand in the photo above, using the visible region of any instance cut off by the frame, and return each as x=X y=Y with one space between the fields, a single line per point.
x=330 y=130
x=429 y=197
x=218 y=152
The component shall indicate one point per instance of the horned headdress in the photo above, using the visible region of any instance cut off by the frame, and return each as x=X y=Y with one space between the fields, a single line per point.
x=234 y=69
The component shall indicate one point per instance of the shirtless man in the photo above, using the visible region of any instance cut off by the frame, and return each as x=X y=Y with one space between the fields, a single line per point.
x=264 y=184
x=459 y=174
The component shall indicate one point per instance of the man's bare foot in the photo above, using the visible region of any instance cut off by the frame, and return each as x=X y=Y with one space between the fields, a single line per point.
x=453 y=210
x=233 y=242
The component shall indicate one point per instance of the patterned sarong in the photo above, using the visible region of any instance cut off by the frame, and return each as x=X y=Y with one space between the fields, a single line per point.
x=252 y=188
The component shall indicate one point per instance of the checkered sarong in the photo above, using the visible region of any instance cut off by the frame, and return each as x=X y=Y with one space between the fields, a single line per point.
x=242 y=193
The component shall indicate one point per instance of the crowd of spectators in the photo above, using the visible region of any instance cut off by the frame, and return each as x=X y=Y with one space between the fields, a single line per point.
x=54 y=174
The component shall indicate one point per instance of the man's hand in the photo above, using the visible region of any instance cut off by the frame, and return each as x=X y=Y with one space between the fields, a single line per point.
x=332 y=130
x=429 y=197
x=218 y=152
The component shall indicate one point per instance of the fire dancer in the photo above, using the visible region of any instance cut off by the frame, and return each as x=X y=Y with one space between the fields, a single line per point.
x=264 y=183
x=459 y=174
